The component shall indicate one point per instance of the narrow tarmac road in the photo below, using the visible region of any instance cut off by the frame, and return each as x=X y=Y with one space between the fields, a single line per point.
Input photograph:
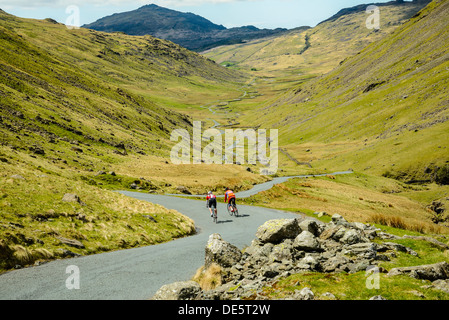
x=137 y=274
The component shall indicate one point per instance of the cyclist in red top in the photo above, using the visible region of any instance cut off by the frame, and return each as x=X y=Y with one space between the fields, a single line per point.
x=211 y=203
x=229 y=197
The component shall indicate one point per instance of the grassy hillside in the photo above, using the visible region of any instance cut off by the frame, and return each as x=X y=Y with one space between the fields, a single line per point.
x=314 y=51
x=382 y=111
x=84 y=112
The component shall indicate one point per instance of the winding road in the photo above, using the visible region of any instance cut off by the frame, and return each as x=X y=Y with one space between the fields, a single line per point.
x=136 y=274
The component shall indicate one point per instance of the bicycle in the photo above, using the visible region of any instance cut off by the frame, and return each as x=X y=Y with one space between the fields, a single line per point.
x=232 y=209
x=215 y=217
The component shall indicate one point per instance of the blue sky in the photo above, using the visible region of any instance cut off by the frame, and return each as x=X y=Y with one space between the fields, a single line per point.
x=230 y=13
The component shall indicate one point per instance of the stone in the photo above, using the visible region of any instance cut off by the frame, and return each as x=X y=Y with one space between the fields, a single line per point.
x=329 y=232
x=307 y=263
x=432 y=272
x=304 y=294
x=221 y=252
x=350 y=236
x=67 y=253
x=367 y=250
x=399 y=247
x=17 y=177
x=338 y=220
x=282 y=251
x=71 y=242
x=442 y=285
x=328 y=296
x=336 y=263
x=275 y=231
x=306 y=241
x=184 y=190
x=379 y=297
x=322 y=214
x=183 y=290
x=311 y=226
x=70 y=197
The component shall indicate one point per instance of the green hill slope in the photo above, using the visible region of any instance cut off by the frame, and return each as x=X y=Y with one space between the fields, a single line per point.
x=98 y=88
x=83 y=112
x=384 y=110
x=314 y=51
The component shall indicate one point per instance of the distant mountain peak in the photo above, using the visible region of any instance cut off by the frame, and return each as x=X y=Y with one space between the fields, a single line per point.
x=186 y=29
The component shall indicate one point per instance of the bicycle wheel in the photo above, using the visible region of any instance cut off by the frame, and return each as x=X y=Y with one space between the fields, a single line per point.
x=230 y=211
x=215 y=218
x=236 y=211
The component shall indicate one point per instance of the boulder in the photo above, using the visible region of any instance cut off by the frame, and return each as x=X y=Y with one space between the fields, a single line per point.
x=282 y=251
x=442 y=285
x=306 y=241
x=304 y=294
x=350 y=236
x=70 y=197
x=329 y=232
x=338 y=220
x=432 y=272
x=184 y=290
x=275 y=231
x=183 y=190
x=311 y=226
x=335 y=264
x=221 y=252
x=366 y=250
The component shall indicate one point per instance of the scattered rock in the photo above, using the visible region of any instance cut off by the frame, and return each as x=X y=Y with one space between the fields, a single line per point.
x=322 y=214
x=304 y=294
x=71 y=242
x=442 y=285
x=70 y=197
x=183 y=189
x=68 y=254
x=432 y=272
x=328 y=296
x=284 y=247
x=150 y=218
x=306 y=241
x=274 y=231
x=187 y=290
x=221 y=252
x=311 y=226
x=17 y=177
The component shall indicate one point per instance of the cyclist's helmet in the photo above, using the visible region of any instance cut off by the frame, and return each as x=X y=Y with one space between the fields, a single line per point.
x=210 y=192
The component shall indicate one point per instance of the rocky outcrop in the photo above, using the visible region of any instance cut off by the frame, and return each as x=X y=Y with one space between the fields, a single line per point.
x=221 y=252
x=432 y=272
x=289 y=246
x=275 y=231
x=187 y=290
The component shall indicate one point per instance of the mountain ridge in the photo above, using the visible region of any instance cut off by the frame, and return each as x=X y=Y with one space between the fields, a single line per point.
x=186 y=29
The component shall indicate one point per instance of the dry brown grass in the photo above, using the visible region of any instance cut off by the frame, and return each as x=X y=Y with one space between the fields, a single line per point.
x=356 y=197
x=401 y=223
x=197 y=178
x=209 y=278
